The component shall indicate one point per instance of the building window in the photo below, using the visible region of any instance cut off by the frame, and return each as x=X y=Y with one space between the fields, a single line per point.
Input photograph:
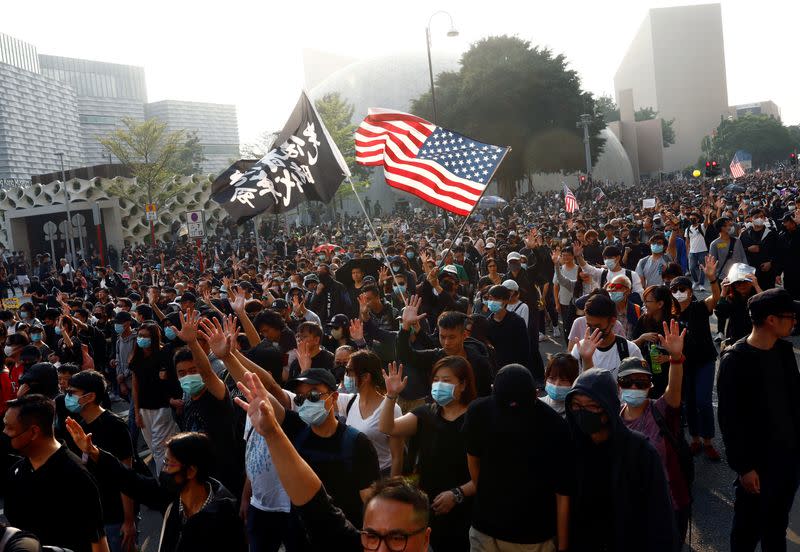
x=98 y=120
x=220 y=149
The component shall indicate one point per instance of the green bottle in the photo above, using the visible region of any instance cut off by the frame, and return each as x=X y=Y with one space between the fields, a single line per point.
x=654 y=354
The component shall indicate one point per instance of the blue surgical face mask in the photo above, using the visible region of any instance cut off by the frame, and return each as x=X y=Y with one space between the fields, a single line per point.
x=667 y=234
x=313 y=413
x=119 y=328
x=144 y=342
x=192 y=384
x=58 y=330
x=442 y=392
x=657 y=248
x=23 y=315
x=494 y=305
x=610 y=263
x=399 y=290
x=410 y=254
x=617 y=296
x=169 y=333
x=350 y=385
x=556 y=392
x=36 y=337
x=72 y=403
x=634 y=397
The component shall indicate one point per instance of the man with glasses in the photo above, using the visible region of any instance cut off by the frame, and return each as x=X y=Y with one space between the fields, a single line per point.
x=759 y=417
x=395 y=513
x=343 y=457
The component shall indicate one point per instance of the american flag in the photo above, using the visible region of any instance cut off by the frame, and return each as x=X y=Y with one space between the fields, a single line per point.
x=570 y=203
x=438 y=165
x=737 y=168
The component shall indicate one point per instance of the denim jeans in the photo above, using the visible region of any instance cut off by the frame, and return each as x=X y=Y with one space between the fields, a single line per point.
x=698 y=384
x=114 y=536
x=695 y=260
x=266 y=531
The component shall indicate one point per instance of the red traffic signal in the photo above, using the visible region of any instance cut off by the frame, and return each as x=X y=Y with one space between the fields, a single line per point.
x=792 y=155
x=583 y=179
x=708 y=164
x=713 y=163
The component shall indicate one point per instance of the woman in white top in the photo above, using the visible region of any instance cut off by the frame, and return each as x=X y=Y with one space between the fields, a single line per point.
x=559 y=375
x=361 y=404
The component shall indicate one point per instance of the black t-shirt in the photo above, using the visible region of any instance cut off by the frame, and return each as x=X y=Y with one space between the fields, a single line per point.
x=526 y=457
x=782 y=431
x=59 y=502
x=156 y=379
x=215 y=418
x=698 y=346
x=442 y=450
x=344 y=473
x=510 y=339
x=110 y=433
x=323 y=359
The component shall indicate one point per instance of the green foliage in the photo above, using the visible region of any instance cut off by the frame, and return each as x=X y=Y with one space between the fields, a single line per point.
x=510 y=93
x=608 y=108
x=190 y=158
x=259 y=148
x=764 y=137
x=154 y=157
x=667 y=132
x=337 y=115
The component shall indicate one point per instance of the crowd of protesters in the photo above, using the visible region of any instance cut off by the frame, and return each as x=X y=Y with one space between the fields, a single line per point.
x=331 y=389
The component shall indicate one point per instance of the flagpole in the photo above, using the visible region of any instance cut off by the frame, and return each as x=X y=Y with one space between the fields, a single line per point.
x=374 y=233
x=463 y=224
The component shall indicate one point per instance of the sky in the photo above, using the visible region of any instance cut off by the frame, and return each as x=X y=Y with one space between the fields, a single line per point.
x=249 y=53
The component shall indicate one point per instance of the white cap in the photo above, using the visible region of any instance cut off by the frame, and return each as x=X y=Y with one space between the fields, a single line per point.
x=451 y=269
x=489 y=245
x=513 y=256
x=510 y=285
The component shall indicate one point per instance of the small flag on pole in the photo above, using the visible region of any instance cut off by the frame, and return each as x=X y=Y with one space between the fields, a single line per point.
x=570 y=203
x=305 y=165
x=438 y=165
x=740 y=161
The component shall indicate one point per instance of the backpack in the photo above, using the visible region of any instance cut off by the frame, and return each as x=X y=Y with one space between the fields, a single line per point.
x=604 y=277
x=678 y=444
x=622 y=347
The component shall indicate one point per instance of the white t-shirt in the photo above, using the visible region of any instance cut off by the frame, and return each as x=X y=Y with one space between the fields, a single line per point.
x=268 y=493
x=697 y=242
x=369 y=427
x=608 y=359
x=519 y=308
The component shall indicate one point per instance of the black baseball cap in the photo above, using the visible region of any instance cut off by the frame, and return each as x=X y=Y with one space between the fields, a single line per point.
x=188 y=296
x=314 y=376
x=280 y=304
x=122 y=316
x=339 y=321
x=772 y=301
x=680 y=281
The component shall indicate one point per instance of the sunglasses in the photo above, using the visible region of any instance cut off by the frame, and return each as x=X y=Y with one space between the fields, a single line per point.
x=638 y=383
x=680 y=288
x=311 y=396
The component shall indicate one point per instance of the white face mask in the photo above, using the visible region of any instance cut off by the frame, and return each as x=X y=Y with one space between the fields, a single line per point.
x=681 y=296
x=758 y=221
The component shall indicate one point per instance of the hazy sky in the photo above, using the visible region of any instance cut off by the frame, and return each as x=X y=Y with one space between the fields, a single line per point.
x=249 y=53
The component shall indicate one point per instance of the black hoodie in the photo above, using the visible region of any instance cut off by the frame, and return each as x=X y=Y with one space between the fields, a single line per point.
x=640 y=514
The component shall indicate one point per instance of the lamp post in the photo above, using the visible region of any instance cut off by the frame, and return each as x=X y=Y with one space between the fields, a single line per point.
x=68 y=227
x=451 y=33
x=585 y=121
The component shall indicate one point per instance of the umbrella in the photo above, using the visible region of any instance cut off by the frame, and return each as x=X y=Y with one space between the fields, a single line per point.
x=369 y=265
x=734 y=188
x=492 y=202
x=327 y=248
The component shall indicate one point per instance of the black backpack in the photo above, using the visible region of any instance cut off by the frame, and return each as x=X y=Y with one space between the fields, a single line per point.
x=678 y=444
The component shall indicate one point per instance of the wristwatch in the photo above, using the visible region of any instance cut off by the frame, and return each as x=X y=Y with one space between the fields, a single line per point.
x=458 y=494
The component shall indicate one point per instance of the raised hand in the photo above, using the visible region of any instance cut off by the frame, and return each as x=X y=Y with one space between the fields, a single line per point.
x=304 y=355
x=577 y=249
x=81 y=439
x=356 y=330
x=411 y=312
x=239 y=300
x=216 y=337
x=395 y=382
x=589 y=344
x=256 y=404
x=298 y=306
x=673 y=337
x=383 y=275
x=189 y=323
x=363 y=307
x=152 y=296
x=710 y=268
x=556 y=258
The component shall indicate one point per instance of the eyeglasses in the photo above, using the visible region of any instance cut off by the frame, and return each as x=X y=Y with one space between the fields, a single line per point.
x=311 y=396
x=638 y=383
x=396 y=541
x=680 y=288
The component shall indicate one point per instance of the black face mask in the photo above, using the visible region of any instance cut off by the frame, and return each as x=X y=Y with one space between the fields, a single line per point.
x=588 y=422
x=169 y=482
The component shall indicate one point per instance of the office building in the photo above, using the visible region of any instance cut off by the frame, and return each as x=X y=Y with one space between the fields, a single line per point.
x=51 y=104
x=676 y=65
x=768 y=107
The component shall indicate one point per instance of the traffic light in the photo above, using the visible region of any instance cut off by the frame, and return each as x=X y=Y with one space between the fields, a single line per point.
x=708 y=169
x=582 y=180
x=713 y=169
x=793 y=159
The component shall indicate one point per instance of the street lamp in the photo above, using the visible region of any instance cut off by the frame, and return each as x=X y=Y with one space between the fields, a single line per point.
x=68 y=228
x=451 y=33
x=584 y=123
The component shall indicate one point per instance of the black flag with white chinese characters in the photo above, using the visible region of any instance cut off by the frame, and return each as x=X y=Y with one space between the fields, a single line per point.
x=305 y=166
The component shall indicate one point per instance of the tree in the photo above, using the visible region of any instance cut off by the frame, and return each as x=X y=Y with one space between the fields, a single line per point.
x=259 y=148
x=509 y=93
x=337 y=114
x=608 y=108
x=764 y=137
x=190 y=158
x=153 y=156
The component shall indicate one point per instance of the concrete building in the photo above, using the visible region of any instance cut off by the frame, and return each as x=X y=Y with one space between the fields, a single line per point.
x=214 y=124
x=676 y=65
x=52 y=104
x=758 y=108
